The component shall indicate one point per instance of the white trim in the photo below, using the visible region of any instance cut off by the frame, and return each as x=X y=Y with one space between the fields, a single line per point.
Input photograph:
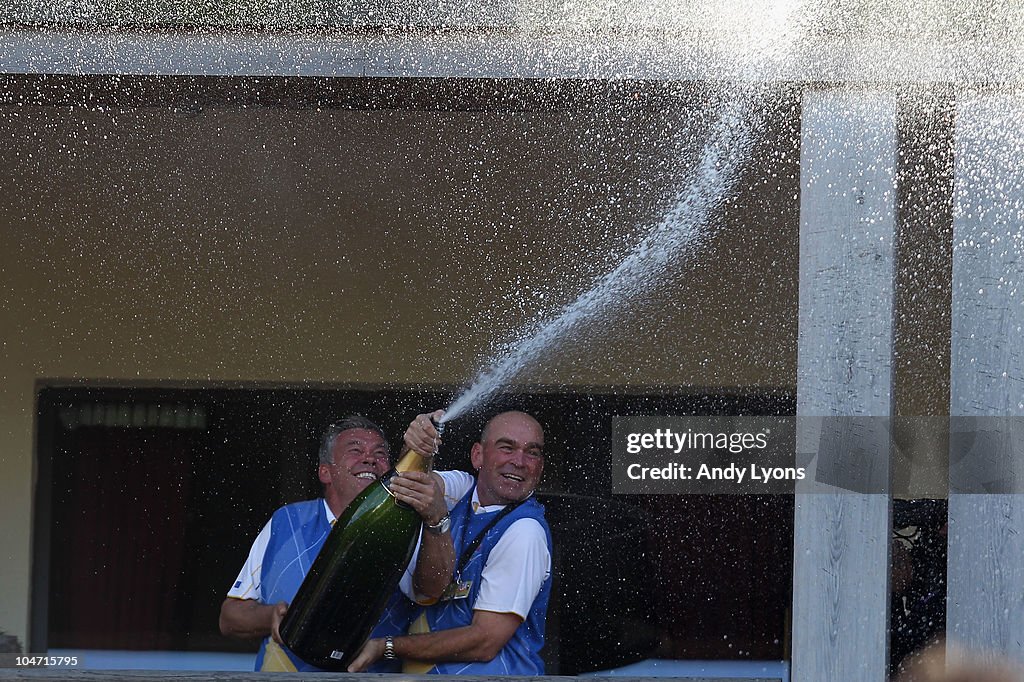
x=491 y=54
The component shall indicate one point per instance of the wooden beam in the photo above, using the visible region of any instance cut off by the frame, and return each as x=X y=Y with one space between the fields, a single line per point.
x=985 y=603
x=847 y=255
x=512 y=52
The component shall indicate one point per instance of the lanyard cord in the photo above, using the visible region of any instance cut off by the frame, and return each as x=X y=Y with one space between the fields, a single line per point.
x=472 y=547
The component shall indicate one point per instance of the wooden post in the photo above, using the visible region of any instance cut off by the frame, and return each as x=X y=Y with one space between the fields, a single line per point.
x=985 y=579
x=847 y=255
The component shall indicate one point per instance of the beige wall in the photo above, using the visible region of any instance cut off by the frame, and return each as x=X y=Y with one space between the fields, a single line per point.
x=371 y=247
x=16 y=484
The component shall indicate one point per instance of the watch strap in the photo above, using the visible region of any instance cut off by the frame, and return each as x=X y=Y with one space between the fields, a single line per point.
x=442 y=526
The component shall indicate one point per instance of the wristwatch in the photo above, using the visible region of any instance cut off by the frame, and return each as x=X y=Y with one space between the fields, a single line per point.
x=442 y=526
x=389 y=648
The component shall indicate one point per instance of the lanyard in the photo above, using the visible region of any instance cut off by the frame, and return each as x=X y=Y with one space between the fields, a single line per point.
x=472 y=547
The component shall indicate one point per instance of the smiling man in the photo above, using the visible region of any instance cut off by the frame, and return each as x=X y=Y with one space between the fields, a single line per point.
x=353 y=454
x=490 y=619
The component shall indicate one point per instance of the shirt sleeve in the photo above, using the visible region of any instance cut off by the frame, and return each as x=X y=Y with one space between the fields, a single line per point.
x=515 y=571
x=247 y=585
x=456 y=485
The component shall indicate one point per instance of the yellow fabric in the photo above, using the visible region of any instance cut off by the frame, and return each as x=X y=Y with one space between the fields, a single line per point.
x=410 y=667
x=275 y=660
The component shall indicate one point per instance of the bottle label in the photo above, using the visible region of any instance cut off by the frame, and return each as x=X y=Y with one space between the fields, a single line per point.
x=385 y=481
x=337 y=655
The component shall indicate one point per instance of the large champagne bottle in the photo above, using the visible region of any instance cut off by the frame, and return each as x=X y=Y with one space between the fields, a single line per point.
x=357 y=570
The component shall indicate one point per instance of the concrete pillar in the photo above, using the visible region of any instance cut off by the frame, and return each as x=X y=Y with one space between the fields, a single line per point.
x=847 y=255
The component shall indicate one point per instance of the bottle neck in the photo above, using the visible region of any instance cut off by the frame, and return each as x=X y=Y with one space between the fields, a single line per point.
x=414 y=461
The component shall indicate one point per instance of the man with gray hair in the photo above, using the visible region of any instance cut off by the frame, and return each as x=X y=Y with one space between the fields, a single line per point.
x=353 y=454
x=491 y=618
